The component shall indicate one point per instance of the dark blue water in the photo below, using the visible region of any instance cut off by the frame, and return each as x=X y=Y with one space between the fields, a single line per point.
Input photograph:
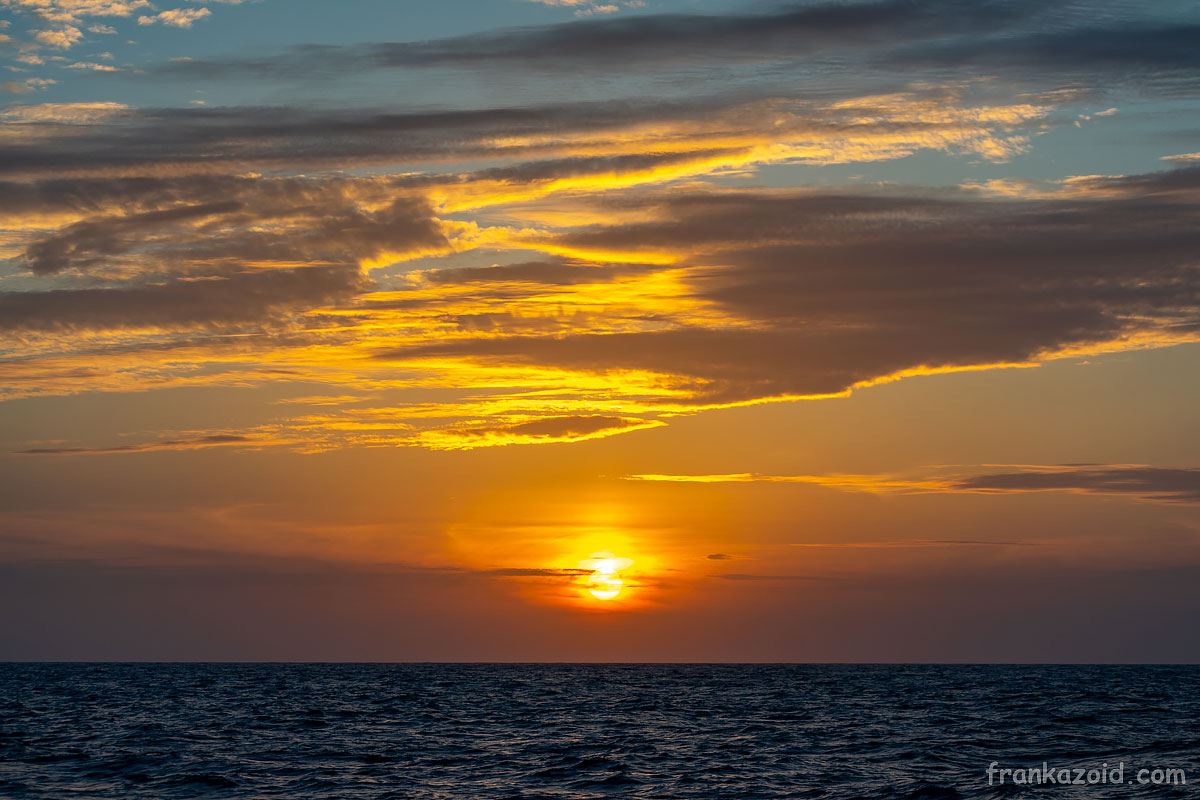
x=584 y=731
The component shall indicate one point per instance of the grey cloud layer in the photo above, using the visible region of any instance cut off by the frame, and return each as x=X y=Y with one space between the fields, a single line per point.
x=146 y=141
x=211 y=440
x=892 y=41
x=645 y=39
x=1151 y=483
x=252 y=298
x=842 y=289
x=269 y=248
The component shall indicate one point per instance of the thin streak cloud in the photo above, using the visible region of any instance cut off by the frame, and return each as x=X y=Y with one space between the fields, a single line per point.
x=211 y=440
x=1168 y=485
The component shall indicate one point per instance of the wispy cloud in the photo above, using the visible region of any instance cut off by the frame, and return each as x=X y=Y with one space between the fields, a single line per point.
x=886 y=43
x=579 y=145
x=535 y=572
x=790 y=34
x=751 y=576
x=1143 y=482
x=1147 y=483
x=911 y=543
x=93 y=66
x=873 y=483
x=210 y=440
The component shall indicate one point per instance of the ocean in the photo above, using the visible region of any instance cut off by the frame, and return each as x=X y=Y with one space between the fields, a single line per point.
x=734 y=732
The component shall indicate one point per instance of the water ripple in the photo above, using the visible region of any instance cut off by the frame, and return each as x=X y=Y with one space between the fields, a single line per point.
x=583 y=731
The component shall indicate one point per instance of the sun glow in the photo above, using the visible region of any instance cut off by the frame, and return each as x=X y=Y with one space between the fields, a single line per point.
x=605 y=582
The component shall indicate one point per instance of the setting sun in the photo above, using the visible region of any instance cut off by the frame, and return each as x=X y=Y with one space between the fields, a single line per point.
x=605 y=585
x=605 y=581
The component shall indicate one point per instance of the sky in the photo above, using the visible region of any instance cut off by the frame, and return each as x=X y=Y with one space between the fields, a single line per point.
x=574 y=330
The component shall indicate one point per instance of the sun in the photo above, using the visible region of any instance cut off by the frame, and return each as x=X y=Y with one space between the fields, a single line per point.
x=605 y=582
x=604 y=585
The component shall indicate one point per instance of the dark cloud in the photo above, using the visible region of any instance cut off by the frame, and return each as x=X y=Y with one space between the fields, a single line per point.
x=213 y=440
x=890 y=42
x=570 y=426
x=621 y=42
x=112 y=236
x=553 y=140
x=251 y=297
x=743 y=576
x=174 y=254
x=1150 y=483
x=1154 y=56
x=719 y=557
x=315 y=221
x=983 y=543
x=545 y=429
x=834 y=290
x=146 y=194
x=536 y=572
x=195 y=141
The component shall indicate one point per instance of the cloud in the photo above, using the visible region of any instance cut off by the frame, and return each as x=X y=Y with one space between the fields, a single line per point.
x=92 y=66
x=814 y=294
x=285 y=222
x=719 y=557
x=199 y=139
x=549 y=272
x=254 y=298
x=58 y=252
x=72 y=11
x=26 y=86
x=211 y=440
x=744 y=576
x=588 y=145
x=1170 y=485
x=176 y=17
x=621 y=44
x=536 y=572
x=872 y=483
x=1162 y=51
x=1144 y=482
x=705 y=298
x=62 y=38
x=908 y=543
x=62 y=113
x=610 y=8
x=874 y=46
x=575 y=270
x=550 y=429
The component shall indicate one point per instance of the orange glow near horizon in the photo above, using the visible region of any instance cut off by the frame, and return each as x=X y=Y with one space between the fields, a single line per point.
x=606 y=560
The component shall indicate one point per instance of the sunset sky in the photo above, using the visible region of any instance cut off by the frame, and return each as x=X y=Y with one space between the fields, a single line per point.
x=558 y=330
